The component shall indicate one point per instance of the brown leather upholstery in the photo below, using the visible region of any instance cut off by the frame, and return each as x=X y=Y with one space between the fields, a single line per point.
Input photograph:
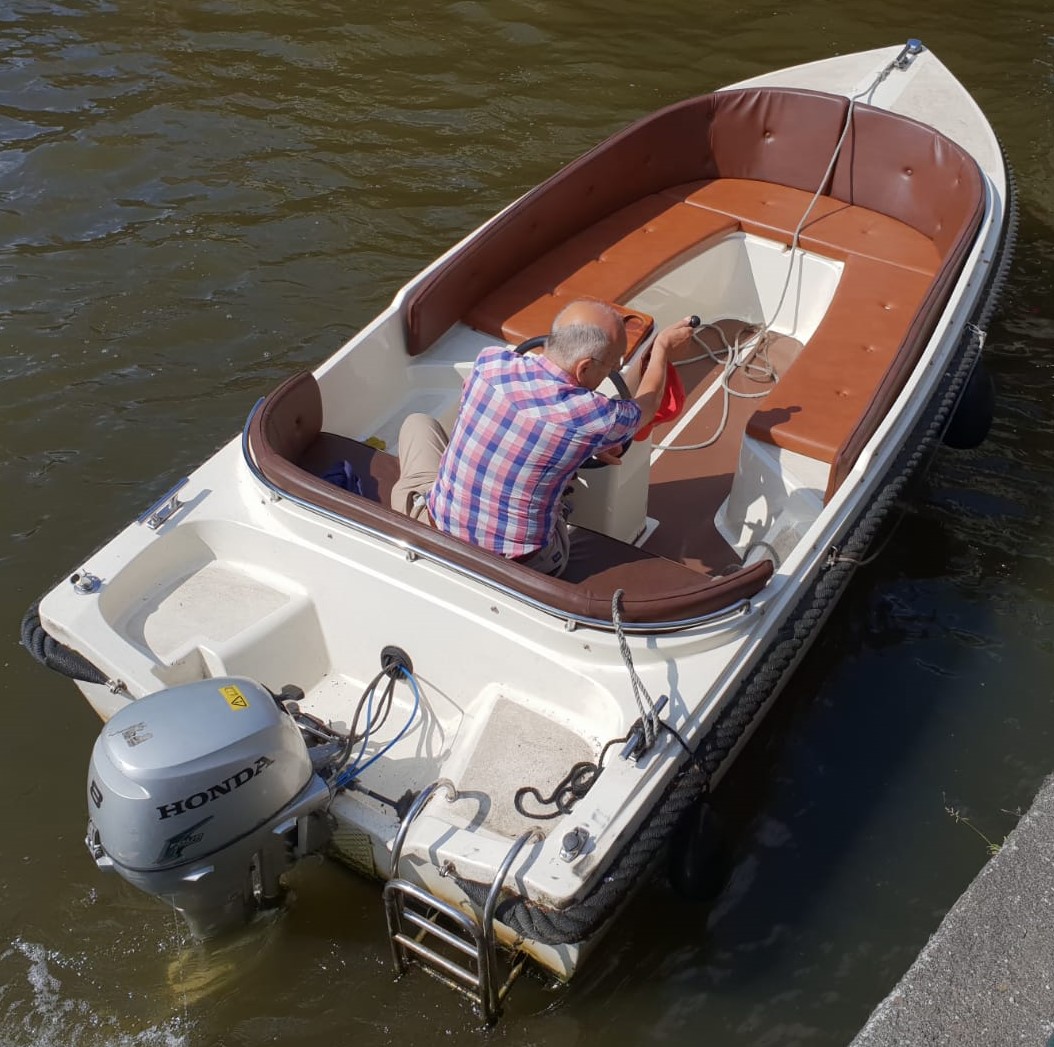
x=785 y=136
x=610 y=261
x=834 y=228
x=288 y=427
x=910 y=172
x=855 y=231
x=656 y=589
x=290 y=419
x=765 y=209
x=901 y=168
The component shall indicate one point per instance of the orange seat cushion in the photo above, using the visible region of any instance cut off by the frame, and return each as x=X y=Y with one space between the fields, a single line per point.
x=833 y=228
x=763 y=208
x=826 y=390
x=610 y=260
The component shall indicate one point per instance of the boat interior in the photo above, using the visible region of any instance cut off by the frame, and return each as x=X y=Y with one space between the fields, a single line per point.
x=693 y=209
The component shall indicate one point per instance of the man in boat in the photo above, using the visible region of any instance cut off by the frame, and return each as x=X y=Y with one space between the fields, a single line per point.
x=525 y=425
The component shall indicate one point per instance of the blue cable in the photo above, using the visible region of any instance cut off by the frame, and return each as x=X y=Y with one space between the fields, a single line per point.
x=349 y=774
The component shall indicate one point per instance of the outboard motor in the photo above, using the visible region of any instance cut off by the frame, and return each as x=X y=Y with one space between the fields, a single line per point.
x=203 y=795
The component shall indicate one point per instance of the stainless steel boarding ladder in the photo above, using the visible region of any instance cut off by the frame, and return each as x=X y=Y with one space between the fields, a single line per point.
x=437 y=935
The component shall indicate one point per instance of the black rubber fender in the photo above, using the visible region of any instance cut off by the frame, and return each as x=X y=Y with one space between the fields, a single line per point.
x=972 y=420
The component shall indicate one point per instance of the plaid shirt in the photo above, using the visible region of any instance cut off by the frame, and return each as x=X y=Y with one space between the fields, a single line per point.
x=522 y=431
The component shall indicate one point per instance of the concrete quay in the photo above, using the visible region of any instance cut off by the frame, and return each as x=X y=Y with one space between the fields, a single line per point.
x=985 y=978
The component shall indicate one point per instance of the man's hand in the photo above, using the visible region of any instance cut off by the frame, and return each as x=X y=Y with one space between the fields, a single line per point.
x=610 y=455
x=669 y=343
x=677 y=337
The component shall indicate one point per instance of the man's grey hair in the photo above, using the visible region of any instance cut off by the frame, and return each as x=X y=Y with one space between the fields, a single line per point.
x=573 y=342
x=569 y=343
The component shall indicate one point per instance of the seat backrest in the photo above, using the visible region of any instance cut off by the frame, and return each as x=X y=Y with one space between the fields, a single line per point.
x=913 y=173
x=290 y=418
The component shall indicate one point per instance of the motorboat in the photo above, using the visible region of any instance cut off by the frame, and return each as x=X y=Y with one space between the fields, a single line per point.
x=286 y=665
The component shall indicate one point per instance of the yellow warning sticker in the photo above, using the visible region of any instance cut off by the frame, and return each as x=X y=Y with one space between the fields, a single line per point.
x=234 y=698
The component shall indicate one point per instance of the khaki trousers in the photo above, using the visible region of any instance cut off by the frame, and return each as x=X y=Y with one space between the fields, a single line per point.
x=422 y=441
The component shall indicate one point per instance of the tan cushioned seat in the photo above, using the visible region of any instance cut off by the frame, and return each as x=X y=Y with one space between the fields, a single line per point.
x=833 y=228
x=609 y=261
x=820 y=398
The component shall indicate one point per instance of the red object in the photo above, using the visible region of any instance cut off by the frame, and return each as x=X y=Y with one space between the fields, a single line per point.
x=672 y=403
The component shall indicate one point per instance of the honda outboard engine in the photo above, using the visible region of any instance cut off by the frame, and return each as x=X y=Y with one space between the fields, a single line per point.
x=203 y=795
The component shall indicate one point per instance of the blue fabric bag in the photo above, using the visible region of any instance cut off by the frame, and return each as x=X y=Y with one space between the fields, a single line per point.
x=342 y=475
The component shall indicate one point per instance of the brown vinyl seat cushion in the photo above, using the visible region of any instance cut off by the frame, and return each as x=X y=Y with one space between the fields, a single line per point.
x=834 y=228
x=292 y=451
x=819 y=399
x=610 y=260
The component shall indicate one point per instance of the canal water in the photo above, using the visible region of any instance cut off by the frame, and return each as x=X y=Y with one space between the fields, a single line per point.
x=197 y=198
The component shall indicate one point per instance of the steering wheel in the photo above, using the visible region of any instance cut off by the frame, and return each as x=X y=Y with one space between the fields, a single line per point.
x=614 y=377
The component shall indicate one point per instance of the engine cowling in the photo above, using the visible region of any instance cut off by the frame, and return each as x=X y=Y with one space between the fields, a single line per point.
x=203 y=795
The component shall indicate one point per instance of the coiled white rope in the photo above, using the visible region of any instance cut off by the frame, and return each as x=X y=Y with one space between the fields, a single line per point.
x=735 y=359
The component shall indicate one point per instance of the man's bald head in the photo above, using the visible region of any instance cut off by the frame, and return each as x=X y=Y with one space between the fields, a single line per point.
x=589 y=312
x=586 y=330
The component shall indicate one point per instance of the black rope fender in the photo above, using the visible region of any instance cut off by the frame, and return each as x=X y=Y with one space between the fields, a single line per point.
x=579 y=921
x=54 y=655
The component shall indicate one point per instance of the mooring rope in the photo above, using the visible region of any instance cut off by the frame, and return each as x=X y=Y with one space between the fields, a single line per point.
x=54 y=655
x=645 y=706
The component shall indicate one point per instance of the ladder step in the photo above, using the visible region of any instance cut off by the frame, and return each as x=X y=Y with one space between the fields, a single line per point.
x=430 y=927
x=437 y=960
x=473 y=938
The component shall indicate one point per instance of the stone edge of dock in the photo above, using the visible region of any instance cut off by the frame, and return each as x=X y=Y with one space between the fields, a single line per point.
x=985 y=977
